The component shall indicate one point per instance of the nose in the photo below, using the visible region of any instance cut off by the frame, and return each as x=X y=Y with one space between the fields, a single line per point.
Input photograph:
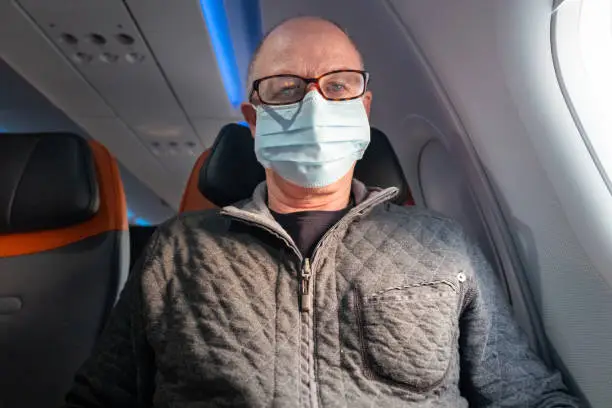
x=312 y=87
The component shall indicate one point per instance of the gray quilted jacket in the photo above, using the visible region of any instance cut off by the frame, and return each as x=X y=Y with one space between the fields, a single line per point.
x=395 y=309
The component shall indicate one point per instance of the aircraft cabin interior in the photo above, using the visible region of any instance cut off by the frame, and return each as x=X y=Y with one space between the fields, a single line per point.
x=117 y=115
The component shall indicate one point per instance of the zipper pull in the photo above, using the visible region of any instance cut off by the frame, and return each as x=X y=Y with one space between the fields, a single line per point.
x=305 y=290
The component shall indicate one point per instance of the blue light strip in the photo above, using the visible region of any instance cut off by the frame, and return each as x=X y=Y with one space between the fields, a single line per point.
x=252 y=13
x=141 y=222
x=133 y=220
x=219 y=32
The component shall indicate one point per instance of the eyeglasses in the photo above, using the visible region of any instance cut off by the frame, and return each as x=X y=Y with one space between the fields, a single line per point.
x=286 y=89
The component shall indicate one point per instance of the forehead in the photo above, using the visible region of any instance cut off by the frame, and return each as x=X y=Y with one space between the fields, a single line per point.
x=307 y=53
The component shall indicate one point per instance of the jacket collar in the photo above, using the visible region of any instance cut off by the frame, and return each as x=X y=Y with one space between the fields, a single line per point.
x=256 y=212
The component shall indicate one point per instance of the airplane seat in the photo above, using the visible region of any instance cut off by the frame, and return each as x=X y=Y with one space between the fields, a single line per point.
x=380 y=167
x=229 y=171
x=192 y=199
x=446 y=191
x=63 y=260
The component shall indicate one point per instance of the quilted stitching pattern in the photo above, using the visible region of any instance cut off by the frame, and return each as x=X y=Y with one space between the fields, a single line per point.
x=406 y=313
x=408 y=335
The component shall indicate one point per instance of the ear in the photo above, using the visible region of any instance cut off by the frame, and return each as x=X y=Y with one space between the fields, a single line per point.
x=367 y=101
x=250 y=116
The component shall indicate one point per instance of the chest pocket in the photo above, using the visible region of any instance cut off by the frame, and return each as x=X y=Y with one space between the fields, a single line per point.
x=408 y=334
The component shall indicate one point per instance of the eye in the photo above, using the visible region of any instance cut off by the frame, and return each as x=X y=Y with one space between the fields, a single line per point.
x=281 y=89
x=288 y=89
x=335 y=87
x=342 y=85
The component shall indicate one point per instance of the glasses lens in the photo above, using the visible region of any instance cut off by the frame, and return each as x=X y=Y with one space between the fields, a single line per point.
x=281 y=90
x=342 y=85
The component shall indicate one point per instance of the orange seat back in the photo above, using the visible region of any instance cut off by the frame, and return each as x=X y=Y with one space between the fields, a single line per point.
x=192 y=199
x=111 y=215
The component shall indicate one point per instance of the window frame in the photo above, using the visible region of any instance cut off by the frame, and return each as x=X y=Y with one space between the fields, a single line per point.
x=563 y=72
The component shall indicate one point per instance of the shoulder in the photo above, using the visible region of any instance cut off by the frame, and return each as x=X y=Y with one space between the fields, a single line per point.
x=178 y=240
x=192 y=222
x=180 y=232
x=445 y=236
x=427 y=226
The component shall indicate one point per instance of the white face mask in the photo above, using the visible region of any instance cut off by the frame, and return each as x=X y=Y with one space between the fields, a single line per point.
x=312 y=143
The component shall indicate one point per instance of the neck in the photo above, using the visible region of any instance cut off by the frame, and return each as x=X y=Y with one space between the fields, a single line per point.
x=284 y=197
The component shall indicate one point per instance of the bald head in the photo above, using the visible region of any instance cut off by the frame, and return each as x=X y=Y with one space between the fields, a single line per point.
x=308 y=47
x=304 y=46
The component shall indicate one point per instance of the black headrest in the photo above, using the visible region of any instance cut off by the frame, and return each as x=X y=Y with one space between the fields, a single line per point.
x=380 y=167
x=47 y=181
x=232 y=171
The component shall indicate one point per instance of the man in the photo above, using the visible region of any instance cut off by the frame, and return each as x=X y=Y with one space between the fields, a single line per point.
x=317 y=292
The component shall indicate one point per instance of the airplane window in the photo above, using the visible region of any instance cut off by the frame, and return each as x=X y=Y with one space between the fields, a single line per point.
x=582 y=47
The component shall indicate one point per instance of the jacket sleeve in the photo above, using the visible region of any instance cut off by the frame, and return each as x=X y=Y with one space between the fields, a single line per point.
x=497 y=366
x=119 y=372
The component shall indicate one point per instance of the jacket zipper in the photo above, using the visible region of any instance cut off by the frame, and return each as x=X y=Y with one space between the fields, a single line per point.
x=306 y=286
x=347 y=219
x=306 y=275
x=305 y=279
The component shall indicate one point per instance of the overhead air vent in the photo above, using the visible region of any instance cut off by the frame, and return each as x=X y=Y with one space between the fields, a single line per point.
x=174 y=148
x=105 y=46
x=125 y=39
x=67 y=38
x=96 y=39
x=90 y=47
